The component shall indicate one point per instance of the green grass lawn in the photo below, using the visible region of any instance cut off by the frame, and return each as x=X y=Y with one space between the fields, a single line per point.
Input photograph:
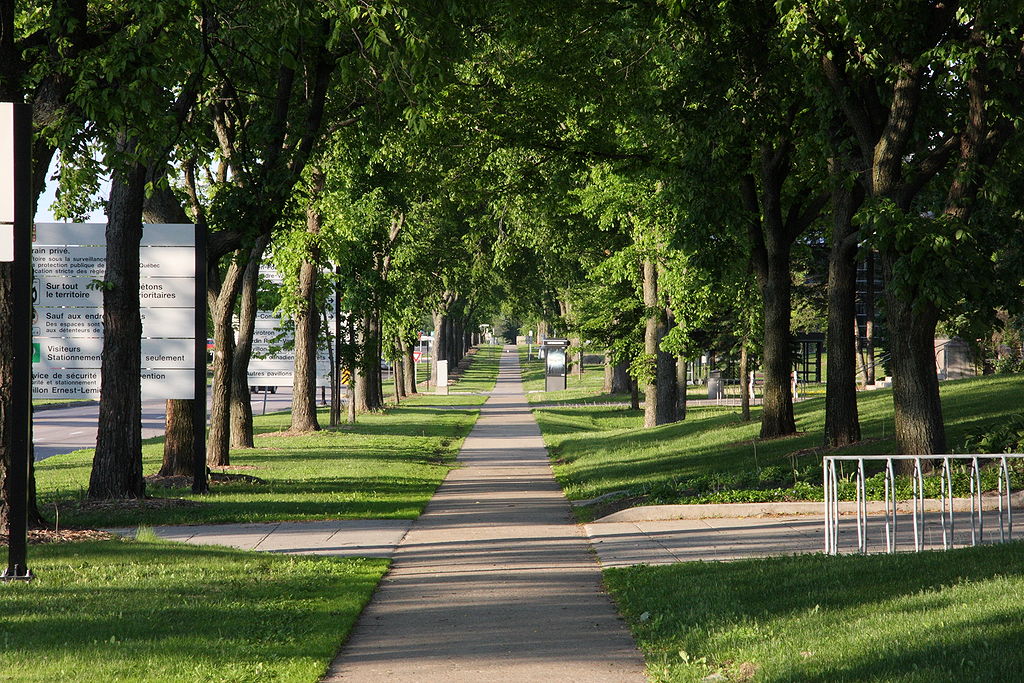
x=933 y=616
x=144 y=611
x=386 y=466
x=482 y=372
x=603 y=449
x=578 y=390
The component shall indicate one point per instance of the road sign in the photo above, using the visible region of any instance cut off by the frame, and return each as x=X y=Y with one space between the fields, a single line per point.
x=7 y=169
x=416 y=355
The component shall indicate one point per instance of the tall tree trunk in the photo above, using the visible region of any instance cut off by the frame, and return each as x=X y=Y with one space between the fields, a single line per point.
x=410 y=370
x=915 y=384
x=221 y=297
x=653 y=332
x=771 y=238
x=842 y=426
x=659 y=395
x=307 y=320
x=634 y=395
x=777 y=416
x=744 y=380
x=162 y=206
x=336 y=363
x=361 y=377
x=667 y=386
x=868 y=350
x=241 y=400
x=178 y=452
x=367 y=377
x=352 y=367
x=440 y=350
x=398 y=368
x=621 y=381
x=117 y=463
x=378 y=374
x=681 y=387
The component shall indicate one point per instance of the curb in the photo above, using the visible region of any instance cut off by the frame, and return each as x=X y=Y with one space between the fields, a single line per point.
x=61 y=406
x=662 y=513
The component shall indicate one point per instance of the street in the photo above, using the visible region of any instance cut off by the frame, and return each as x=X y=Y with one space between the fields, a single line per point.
x=62 y=430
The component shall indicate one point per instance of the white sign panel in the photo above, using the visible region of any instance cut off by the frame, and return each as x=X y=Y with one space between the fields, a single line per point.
x=48 y=354
x=168 y=353
x=442 y=378
x=170 y=292
x=168 y=323
x=156 y=384
x=66 y=291
x=67 y=322
x=95 y=234
x=57 y=261
x=284 y=377
x=87 y=352
x=154 y=292
x=7 y=164
x=60 y=383
x=88 y=322
x=6 y=243
x=63 y=234
x=168 y=383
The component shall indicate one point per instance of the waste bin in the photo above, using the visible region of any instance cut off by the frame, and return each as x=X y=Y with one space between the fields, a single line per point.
x=716 y=387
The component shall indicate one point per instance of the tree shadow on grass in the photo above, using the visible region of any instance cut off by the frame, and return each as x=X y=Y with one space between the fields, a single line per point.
x=693 y=600
x=205 y=611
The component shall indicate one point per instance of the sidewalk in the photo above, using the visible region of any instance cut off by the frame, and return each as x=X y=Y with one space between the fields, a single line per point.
x=494 y=581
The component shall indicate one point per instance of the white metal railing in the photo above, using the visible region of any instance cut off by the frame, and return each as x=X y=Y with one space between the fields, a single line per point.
x=833 y=463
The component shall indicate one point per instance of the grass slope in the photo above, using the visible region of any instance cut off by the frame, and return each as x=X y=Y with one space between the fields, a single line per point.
x=133 y=611
x=602 y=449
x=387 y=465
x=930 y=616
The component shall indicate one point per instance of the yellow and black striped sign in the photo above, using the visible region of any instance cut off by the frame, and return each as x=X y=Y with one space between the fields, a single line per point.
x=346 y=376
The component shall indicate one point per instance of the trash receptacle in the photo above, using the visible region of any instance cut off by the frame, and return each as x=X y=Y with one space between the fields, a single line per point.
x=716 y=388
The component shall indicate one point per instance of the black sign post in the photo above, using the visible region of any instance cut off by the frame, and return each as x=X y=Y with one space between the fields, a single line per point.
x=200 y=482
x=19 y=138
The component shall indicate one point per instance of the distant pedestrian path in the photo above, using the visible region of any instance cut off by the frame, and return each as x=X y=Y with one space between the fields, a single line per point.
x=494 y=582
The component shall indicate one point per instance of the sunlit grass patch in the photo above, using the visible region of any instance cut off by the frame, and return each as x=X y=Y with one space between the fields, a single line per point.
x=910 y=617
x=137 y=611
x=603 y=449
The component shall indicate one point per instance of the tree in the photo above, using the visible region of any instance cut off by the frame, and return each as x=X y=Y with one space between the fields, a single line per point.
x=923 y=88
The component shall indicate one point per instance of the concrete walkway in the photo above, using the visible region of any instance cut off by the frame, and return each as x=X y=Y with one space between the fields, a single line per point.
x=340 y=538
x=494 y=582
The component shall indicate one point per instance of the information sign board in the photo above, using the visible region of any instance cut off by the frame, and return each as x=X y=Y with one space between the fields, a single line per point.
x=70 y=263
x=95 y=234
x=7 y=169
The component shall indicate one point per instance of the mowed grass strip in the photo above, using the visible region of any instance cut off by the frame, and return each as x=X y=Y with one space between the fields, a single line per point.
x=932 y=616
x=482 y=372
x=586 y=389
x=134 y=611
x=602 y=449
x=386 y=466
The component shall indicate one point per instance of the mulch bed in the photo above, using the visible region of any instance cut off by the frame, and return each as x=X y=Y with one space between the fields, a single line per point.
x=40 y=536
x=185 y=482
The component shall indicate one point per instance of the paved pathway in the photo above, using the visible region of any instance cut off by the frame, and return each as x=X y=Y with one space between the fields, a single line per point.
x=494 y=582
x=340 y=538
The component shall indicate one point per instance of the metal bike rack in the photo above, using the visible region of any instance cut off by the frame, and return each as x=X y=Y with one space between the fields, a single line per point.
x=832 y=466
